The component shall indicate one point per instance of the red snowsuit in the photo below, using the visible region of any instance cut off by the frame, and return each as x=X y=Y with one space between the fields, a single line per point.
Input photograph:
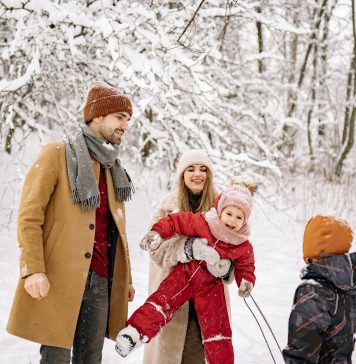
x=193 y=281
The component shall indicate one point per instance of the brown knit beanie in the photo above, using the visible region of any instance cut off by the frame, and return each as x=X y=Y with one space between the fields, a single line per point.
x=326 y=235
x=103 y=100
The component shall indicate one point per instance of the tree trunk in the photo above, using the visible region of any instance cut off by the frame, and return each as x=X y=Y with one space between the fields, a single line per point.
x=348 y=134
x=312 y=41
x=261 y=66
x=293 y=54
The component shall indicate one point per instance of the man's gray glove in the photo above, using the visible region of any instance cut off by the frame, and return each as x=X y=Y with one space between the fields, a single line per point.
x=199 y=249
x=221 y=269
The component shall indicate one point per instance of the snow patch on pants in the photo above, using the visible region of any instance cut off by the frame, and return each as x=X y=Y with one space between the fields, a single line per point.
x=216 y=338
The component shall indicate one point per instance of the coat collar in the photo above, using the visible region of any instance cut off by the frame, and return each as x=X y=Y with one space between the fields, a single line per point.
x=170 y=202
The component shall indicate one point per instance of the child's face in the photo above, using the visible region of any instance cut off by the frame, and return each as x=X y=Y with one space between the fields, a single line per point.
x=194 y=177
x=232 y=217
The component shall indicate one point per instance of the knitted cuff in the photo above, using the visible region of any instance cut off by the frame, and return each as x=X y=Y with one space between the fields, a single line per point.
x=188 y=248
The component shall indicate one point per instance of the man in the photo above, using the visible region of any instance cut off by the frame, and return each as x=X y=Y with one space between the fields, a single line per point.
x=75 y=279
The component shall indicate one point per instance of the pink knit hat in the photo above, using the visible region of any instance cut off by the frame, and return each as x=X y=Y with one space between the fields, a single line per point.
x=236 y=195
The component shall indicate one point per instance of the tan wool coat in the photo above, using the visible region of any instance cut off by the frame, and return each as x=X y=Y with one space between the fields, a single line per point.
x=167 y=347
x=56 y=237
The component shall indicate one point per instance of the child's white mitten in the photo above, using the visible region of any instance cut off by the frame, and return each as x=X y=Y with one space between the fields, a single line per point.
x=245 y=288
x=220 y=269
x=199 y=249
x=128 y=339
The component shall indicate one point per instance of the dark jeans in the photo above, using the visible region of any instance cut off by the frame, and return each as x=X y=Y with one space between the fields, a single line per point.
x=91 y=327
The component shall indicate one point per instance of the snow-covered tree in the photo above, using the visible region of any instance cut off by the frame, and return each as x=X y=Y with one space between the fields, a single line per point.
x=260 y=85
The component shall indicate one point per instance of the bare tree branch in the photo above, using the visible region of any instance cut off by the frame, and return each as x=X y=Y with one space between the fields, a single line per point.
x=190 y=22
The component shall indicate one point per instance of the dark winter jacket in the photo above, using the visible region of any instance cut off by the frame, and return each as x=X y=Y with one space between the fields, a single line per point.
x=322 y=321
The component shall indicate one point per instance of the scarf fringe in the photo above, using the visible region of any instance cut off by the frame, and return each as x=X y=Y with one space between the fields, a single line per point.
x=125 y=193
x=87 y=204
x=91 y=202
x=75 y=195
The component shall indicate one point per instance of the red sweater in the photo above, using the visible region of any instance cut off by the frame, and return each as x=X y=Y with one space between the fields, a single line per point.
x=99 y=261
x=189 y=224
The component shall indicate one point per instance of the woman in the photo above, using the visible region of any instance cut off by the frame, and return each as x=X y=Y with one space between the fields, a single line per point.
x=180 y=341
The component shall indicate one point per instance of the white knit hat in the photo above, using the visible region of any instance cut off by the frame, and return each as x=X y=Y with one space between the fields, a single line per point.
x=193 y=156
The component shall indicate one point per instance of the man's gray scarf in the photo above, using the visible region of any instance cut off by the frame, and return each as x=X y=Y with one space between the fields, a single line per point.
x=82 y=144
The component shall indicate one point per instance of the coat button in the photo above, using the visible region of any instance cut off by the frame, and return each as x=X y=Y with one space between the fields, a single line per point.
x=87 y=255
x=91 y=226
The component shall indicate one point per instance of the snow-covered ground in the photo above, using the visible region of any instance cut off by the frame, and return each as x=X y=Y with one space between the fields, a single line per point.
x=276 y=238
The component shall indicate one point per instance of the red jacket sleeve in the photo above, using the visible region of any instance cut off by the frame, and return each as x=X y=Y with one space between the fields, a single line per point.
x=245 y=265
x=181 y=223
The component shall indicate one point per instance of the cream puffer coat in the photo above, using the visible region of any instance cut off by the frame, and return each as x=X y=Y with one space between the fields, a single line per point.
x=167 y=347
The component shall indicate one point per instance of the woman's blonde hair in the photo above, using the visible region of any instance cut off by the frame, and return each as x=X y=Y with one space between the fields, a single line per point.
x=208 y=195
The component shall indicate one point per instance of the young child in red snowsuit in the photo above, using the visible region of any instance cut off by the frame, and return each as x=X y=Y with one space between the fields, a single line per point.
x=225 y=227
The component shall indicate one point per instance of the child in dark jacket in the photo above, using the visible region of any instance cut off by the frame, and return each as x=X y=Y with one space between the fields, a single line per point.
x=322 y=321
x=225 y=227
